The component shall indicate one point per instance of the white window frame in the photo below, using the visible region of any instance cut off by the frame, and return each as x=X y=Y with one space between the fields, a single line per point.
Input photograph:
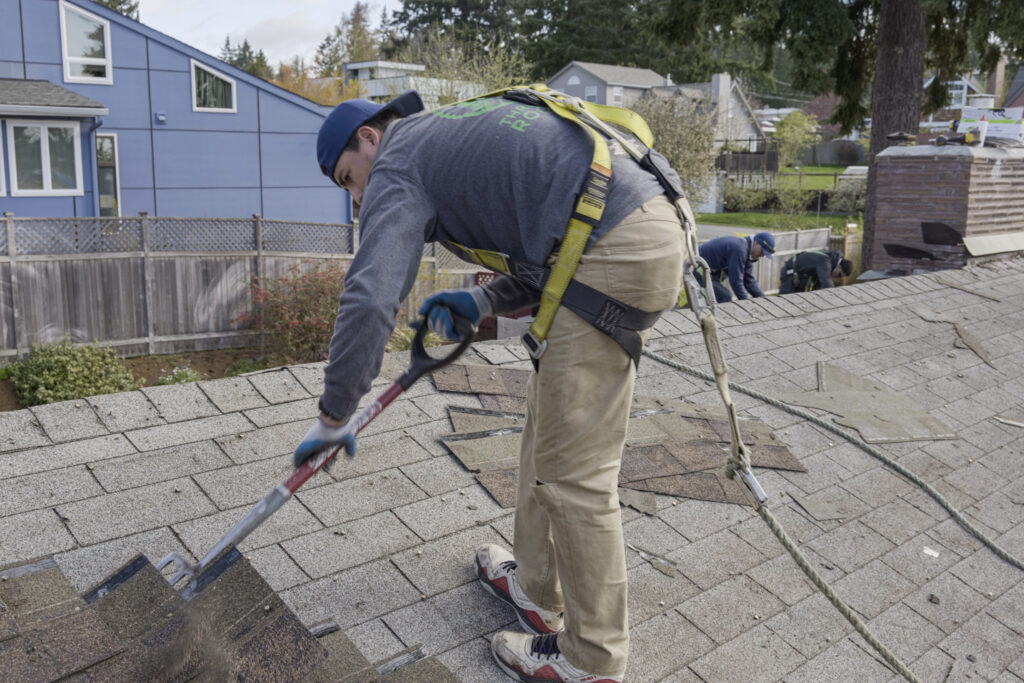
x=3 y=185
x=117 y=171
x=573 y=80
x=590 y=91
x=212 y=110
x=44 y=151
x=107 y=61
x=617 y=95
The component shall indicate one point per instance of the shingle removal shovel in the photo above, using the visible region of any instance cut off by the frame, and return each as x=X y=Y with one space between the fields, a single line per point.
x=421 y=363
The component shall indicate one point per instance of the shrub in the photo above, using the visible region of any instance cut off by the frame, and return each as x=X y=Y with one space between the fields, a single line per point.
x=401 y=338
x=745 y=198
x=297 y=311
x=61 y=372
x=180 y=375
x=848 y=198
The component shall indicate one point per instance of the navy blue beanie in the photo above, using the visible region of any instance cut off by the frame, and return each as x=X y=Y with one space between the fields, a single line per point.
x=341 y=123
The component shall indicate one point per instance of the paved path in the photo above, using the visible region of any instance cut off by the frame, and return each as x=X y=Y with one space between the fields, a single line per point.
x=383 y=544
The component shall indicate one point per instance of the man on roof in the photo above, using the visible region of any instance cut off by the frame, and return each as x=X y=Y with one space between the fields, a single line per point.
x=504 y=175
x=810 y=270
x=733 y=258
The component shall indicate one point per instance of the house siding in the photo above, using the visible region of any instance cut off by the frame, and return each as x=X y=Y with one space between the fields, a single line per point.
x=258 y=160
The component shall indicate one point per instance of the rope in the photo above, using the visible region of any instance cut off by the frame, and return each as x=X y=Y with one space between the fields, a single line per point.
x=844 y=609
x=860 y=443
x=801 y=560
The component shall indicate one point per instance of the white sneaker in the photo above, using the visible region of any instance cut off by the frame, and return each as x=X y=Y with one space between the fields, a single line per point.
x=537 y=659
x=496 y=570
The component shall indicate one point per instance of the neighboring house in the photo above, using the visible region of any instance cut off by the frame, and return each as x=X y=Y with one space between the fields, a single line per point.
x=623 y=85
x=103 y=116
x=380 y=81
x=734 y=118
x=606 y=83
x=1015 y=95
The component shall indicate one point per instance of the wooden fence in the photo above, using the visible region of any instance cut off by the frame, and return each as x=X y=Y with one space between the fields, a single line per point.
x=150 y=285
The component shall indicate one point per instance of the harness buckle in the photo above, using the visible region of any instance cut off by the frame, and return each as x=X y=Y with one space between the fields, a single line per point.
x=534 y=346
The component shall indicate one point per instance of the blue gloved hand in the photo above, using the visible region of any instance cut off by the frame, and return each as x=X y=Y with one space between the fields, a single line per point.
x=321 y=437
x=472 y=303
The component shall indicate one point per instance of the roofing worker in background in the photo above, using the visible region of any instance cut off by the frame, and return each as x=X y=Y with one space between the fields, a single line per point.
x=733 y=258
x=810 y=270
x=503 y=175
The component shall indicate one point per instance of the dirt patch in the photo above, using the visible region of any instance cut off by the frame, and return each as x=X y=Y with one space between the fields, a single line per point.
x=149 y=369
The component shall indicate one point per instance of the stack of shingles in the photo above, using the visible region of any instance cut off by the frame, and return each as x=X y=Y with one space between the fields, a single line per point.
x=672 y=447
x=228 y=624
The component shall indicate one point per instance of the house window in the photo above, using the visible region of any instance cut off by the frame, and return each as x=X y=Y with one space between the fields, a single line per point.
x=45 y=158
x=573 y=80
x=590 y=94
x=86 y=41
x=212 y=91
x=957 y=93
x=617 y=96
x=108 y=184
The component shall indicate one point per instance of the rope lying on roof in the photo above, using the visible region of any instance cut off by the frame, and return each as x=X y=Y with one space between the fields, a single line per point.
x=794 y=550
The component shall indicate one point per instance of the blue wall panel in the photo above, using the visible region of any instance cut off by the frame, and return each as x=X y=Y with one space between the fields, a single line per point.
x=195 y=159
x=10 y=33
x=127 y=99
x=165 y=58
x=290 y=161
x=327 y=205
x=12 y=70
x=38 y=206
x=281 y=116
x=134 y=201
x=208 y=203
x=41 y=22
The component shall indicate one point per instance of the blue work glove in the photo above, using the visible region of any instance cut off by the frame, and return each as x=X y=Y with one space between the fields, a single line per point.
x=321 y=437
x=472 y=303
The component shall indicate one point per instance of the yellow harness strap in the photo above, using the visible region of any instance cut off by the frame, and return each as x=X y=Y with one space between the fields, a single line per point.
x=589 y=208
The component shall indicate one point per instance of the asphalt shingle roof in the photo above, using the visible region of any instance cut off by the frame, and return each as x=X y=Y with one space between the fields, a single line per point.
x=623 y=75
x=383 y=542
x=14 y=91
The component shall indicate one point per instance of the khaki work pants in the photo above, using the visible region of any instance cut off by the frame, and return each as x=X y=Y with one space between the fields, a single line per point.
x=568 y=529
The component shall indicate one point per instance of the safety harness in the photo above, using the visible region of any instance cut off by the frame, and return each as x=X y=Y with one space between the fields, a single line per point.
x=618 y=320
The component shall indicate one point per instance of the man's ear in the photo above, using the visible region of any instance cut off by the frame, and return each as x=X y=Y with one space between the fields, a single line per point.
x=370 y=134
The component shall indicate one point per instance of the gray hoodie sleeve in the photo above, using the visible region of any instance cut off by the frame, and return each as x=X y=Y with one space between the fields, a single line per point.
x=395 y=221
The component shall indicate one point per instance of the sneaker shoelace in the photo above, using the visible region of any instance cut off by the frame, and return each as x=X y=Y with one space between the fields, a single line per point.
x=508 y=564
x=545 y=645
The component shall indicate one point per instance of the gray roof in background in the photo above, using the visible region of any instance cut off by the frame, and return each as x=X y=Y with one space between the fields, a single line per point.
x=21 y=92
x=623 y=75
x=1016 y=88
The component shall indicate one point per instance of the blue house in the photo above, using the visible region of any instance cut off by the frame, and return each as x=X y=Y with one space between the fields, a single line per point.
x=103 y=116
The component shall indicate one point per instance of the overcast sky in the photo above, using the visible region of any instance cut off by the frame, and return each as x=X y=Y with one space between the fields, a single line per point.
x=281 y=28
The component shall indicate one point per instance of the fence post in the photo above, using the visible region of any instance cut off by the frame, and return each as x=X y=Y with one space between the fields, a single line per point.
x=147 y=266
x=355 y=235
x=257 y=226
x=19 y=335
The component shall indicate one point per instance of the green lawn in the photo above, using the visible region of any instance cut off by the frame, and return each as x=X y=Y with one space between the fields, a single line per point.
x=810 y=177
x=757 y=219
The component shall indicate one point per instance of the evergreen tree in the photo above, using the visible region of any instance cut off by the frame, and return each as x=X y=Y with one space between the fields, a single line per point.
x=351 y=40
x=129 y=8
x=245 y=58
